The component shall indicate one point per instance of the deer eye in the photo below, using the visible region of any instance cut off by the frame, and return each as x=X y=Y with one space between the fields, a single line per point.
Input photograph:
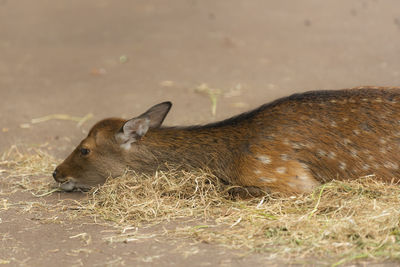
x=85 y=151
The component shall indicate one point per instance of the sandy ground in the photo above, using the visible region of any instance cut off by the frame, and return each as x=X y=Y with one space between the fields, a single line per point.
x=117 y=58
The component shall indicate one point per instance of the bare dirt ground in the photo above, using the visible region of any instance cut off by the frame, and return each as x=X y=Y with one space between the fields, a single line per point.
x=118 y=58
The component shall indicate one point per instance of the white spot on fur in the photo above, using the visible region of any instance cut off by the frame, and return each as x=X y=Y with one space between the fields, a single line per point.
x=382 y=141
x=353 y=153
x=264 y=159
x=257 y=172
x=303 y=176
x=268 y=179
x=304 y=166
x=309 y=145
x=281 y=170
x=333 y=124
x=321 y=153
x=284 y=157
x=345 y=119
x=342 y=165
x=356 y=132
x=296 y=146
x=365 y=167
x=391 y=165
x=346 y=141
x=286 y=141
x=331 y=155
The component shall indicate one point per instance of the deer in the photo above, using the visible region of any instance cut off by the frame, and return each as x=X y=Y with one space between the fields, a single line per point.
x=290 y=145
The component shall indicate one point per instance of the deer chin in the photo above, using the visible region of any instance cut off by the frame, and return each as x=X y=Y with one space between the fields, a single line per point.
x=68 y=186
x=72 y=184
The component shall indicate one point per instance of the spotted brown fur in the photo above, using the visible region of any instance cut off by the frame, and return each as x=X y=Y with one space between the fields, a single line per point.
x=289 y=145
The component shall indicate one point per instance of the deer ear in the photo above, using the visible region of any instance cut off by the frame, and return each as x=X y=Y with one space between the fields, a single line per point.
x=137 y=127
x=157 y=114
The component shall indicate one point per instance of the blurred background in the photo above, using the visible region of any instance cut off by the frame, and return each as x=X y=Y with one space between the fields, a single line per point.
x=117 y=58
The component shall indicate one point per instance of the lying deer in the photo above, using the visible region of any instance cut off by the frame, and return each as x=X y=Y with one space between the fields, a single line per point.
x=289 y=145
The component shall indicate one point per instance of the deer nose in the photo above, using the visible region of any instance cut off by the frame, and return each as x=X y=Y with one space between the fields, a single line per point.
x=55 y=174
x=58 y=176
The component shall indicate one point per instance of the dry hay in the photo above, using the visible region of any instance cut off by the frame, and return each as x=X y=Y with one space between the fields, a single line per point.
x=27 y=169
x=341 y=221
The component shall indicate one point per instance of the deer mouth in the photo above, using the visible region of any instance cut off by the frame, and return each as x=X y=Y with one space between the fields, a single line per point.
x=68 y=185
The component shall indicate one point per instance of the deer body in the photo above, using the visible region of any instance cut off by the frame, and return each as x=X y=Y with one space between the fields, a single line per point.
x=289 y=145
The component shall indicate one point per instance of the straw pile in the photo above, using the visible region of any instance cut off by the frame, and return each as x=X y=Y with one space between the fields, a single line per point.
x=341 y=221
